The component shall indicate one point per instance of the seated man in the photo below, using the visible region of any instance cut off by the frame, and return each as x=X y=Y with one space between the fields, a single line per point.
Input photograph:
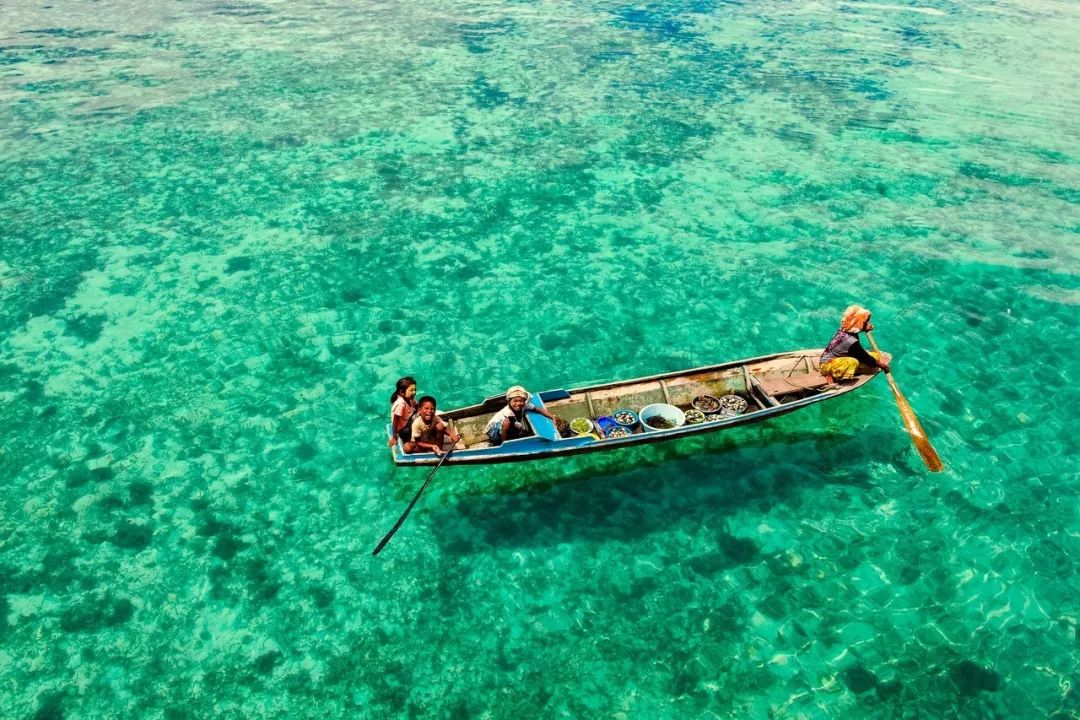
x=428 y=429
x=510 y=422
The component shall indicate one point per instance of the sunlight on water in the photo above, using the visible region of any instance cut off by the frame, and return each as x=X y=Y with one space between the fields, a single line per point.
x=228 y=227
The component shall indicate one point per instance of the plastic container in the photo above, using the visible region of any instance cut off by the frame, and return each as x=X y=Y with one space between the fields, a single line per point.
x=625 y=417
x=605 y=423
x=581 y=425
x=673 y=415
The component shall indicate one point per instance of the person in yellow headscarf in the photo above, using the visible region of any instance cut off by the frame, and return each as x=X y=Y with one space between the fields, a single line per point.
x=844 y=354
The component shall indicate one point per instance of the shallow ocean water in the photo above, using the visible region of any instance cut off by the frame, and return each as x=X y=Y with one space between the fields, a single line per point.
x=227 y=228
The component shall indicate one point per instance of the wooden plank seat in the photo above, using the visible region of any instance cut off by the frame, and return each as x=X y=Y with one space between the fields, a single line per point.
x=780 y=385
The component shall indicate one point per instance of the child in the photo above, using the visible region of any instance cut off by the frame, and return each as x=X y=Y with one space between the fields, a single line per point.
x=403 y=409
x=510 y=423
x=428 y=429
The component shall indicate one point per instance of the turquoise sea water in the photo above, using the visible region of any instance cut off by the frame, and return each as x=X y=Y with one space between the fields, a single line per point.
x=227 y=228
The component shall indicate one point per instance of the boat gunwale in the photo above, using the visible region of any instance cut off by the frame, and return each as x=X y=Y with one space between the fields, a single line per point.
x=468 y=410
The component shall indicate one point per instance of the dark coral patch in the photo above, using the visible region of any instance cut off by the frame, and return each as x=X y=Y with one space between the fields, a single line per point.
x=707 y=564
x=909 y=575
x=96 y=614
x=264 y=664
x=740 y=550
x=86 y=327
x=237 y=264
x=140 y=493
x=228 y=546
x=262 y=584
x=971 y=678
x=51 y=708
x=77 y=476
x=58 y=568
x=887 y=690
x=322 y=597
x=131 y=536
x=859 y=679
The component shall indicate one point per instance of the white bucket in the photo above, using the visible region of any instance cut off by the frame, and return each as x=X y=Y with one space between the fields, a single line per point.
x=672 y=414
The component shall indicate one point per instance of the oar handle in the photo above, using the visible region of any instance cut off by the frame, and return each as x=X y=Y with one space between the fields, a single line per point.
x=876 y=349
x=888 y=375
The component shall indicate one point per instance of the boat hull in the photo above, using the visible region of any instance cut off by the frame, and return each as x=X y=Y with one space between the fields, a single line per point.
x=774 y=388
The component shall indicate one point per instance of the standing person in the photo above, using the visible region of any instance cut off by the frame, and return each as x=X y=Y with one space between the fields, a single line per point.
x=844 y=354
x=403 y=408
x=428 y=429
x=510 y=423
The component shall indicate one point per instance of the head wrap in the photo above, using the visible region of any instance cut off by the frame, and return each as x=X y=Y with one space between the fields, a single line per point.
x=516 y=391
x=855 y=319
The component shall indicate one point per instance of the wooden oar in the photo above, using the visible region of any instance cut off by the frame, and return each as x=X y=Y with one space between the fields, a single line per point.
x=911 y=422
x=401 y=520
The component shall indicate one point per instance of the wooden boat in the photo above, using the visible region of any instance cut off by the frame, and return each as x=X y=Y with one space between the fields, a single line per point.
x=771 y=385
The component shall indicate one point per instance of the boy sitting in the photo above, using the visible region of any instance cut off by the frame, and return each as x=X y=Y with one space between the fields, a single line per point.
x=428 y=429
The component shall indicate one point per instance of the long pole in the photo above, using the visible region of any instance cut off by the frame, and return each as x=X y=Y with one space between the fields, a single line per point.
x=911 y=422
x=401 y=520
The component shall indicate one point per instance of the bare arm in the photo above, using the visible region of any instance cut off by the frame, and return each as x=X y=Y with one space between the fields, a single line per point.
x=398 y=425
x=416 y=446
x=443 y=427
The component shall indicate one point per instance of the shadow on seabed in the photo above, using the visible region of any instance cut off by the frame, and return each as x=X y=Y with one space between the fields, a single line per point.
x=636 y=491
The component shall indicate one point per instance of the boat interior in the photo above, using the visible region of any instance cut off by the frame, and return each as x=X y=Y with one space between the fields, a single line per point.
x=761 y=383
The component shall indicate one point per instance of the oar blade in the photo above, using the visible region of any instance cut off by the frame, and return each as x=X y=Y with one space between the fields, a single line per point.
x=911 y=423
x=918 y=435
x=543 y=427
x=930 y=457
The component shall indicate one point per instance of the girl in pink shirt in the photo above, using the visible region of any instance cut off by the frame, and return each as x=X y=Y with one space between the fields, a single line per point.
x=403 y=409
